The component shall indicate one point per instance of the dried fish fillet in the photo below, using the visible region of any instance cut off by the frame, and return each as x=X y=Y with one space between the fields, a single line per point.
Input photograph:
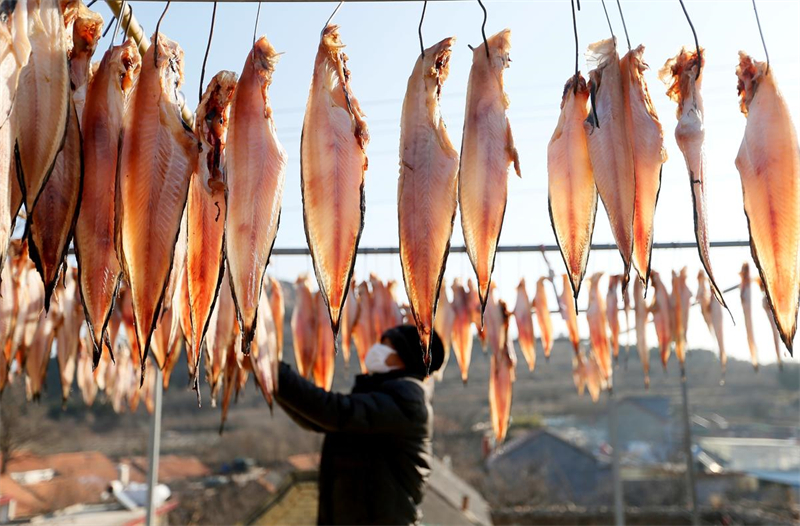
x=524 y=318
x=332 y=166
x=487 y=152
x=610 y=147
x=41 y=108
x=107 y=97
x=683 y=75
x=256 y=171
x=769 y=166
x=640 y=315
x=325 y=355
x=572 y=195
x=157 y=159
x=746 y=295
x=681 y=302
x=304 y=332
x=462 y=329
x=206 y=206
x=427 y=188
x=543 y=317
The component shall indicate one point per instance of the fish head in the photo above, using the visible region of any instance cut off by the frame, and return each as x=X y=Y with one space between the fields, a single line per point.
x=436 y=62
x=750 y=73
x=169 y=64
x=211 y=124
x=86 y=31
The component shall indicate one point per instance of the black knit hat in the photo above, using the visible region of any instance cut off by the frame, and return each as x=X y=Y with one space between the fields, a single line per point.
x=404 y=339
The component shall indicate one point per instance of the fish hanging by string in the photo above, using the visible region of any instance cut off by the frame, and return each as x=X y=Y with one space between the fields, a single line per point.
x=256 y=171
x=325 y=354
x=649 y=155
x=680 y=302
x=68 y=334
x=276 y=305
x=332 y=165
x=462 y=329
x=487 y=153
x=15 y=50
x=572 y=194
x=206 y=207
x=662 y=317
x=503 y=361
x=569 y=311
x=769 y=165
x=610 y=146
x=107 y=99
x=524 y=319
x=543 y=317
x=683 y=74
x=641 y=312
x=612 y=314
x=776 y=337
x=349 y=315
x=746 y=295
x=158 y=156
x=598 y=327
x=304 y=331
x=42 y=104
x=427 y=188
x=264 y=356
x=221 y=336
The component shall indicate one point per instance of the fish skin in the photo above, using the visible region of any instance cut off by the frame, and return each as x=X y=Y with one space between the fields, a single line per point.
x=487 y=152
x=579 y=373
x=334 y=136
x=256 y=170
x=718 y=321
x=769 y=165
x=107 y=97
x=37 y=355
x=68 y=334
x=593 y=378
x=570 y=314
x=51 y=225
x=264 y=357
x=776 y=337
x=206 y=207
x=427 y=189
x=156 y=161
x=626 y=309
x=662 y=317
x=524 y=319
x=14 y=53
x=704 y=299
x=83 y=29
x=228 y=384
x=746 y=295
x=348 y=322
x=304 y=322
x=543 y=318
x=9 y=310
x=612 y=314
x=83 y=372
x=649 y=155
x=640 y=314
x=683 y=74
x=325 y=356
x=572 y=194
x=462 y=329
x=610 y=147
x=680 y=302
x=276 y=305
x=41 y=108
x=443 y=325
x=598 y=326
x=494 y=322
x=501 y=379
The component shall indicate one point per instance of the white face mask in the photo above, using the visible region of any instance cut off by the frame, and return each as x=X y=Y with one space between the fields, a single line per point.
x=376 y=359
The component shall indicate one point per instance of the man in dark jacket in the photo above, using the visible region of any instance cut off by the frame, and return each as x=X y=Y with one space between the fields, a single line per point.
x=377 y=449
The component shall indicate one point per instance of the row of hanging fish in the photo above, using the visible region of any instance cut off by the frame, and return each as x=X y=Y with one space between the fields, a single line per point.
x=613 y=147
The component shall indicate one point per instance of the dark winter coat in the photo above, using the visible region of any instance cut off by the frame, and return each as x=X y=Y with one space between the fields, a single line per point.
x=377 y=452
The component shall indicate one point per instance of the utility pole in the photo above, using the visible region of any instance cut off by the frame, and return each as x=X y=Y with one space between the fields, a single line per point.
x=154 y=448
x=687 y=449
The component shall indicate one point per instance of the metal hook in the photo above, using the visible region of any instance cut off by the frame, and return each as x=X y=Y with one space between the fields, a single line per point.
x=577 y=49
x=483 y=28
x=128 y=25
x=158 y=27
x=421 y=45
x=255 y=29
x=761 y=33
x=116 y=26
x=696 y=44
x=208 y=50
x=110 y=25
x=608 y=19
x=624 y=27
x=90 y=4
x=339 y=6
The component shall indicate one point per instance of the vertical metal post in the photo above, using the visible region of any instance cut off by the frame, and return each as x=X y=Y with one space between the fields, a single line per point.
x=619 y=498
x=687 y=449
x=154 y=448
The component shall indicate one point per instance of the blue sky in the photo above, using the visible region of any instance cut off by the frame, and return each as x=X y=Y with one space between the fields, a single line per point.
x=382 y=45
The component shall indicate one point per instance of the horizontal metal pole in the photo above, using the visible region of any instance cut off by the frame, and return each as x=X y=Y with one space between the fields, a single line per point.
x=299 y=1
x=519 y=248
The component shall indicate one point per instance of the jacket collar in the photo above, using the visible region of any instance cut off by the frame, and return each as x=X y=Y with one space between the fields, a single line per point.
x=370 y=382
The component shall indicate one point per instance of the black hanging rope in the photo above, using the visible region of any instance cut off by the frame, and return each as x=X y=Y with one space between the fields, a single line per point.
x=696 y=44
x=421 y=45
x=577 y=48
x=158 y=27
x=255 y=29
x=483 y=28
x=761 y=33
x=624 y=27
x=608 y=19
x=208 y=50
